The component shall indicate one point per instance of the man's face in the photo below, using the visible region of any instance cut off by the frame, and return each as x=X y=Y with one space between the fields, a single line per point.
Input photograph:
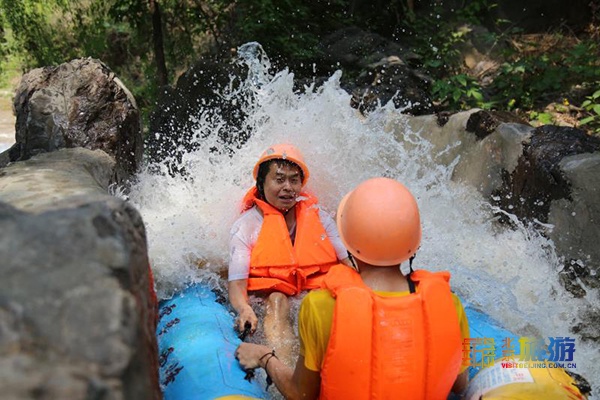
x=282 y=186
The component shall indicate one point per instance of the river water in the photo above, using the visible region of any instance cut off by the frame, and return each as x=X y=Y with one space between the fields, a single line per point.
x=509 y=273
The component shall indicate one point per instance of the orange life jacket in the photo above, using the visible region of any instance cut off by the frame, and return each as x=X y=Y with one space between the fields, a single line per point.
x=276 y=264
x=391 y=347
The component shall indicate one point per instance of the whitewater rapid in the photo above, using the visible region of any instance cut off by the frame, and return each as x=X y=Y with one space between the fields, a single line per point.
x=509 y=273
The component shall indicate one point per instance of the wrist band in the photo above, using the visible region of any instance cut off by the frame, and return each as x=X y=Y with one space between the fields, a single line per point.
x=271 y=354
x=269 y=359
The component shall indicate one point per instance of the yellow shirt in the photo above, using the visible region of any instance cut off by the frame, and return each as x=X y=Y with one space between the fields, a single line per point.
x=316 y=316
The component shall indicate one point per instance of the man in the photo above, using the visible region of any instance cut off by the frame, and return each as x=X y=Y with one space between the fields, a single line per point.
x=374 y=333
x=281 y=245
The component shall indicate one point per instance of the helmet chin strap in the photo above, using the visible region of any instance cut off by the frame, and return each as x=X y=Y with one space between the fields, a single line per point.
x=410 y=261
x=411 y=284
x=354 y=265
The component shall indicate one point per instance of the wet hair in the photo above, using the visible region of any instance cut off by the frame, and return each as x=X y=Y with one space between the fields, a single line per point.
x=263 y=170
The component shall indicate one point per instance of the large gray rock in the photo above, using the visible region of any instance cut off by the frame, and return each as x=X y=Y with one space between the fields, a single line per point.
x=549 y=176
x=385 y=71
x=538 y=179
x=63 y=179
x=77 y=312
x=77 y=104
x=574 y=219
x=173 y=123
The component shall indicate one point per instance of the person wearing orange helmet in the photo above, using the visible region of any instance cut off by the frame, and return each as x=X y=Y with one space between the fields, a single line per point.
x=374 y=332
x=282 y=244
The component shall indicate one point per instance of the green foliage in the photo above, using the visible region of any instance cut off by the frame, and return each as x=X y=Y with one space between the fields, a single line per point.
x=534 y=77
x=33 y=31
x=439 y=48
x=541 y=118
x=592 y=106
x=510 y=85
x=444 y=53
x=120 y=32
x=459 y=92
x=474 y=12
x=438 y=39
x=50 y=32
x=289 y=29
x=523 y=81
x=3 y=41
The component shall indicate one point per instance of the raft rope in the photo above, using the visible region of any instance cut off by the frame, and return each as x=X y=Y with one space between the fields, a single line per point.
x=250 y=372
x=242 y=336
x=245 y=332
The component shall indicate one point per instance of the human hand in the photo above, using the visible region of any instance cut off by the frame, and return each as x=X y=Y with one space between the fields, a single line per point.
x=250 y=355
x=246 y=316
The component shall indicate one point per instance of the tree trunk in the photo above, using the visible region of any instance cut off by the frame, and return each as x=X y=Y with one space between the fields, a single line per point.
x=157 y=40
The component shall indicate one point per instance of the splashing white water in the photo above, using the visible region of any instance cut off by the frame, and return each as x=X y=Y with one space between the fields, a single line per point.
x=510 y=274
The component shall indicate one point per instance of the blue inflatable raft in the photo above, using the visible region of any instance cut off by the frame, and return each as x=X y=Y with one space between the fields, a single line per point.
x=197 y=342
x=481 y=326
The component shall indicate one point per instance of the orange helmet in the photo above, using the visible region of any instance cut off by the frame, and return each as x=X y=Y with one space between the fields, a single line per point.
x=283 y=152
x=379 y=222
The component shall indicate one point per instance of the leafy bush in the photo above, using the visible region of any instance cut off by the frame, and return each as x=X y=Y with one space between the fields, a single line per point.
x=121 y=33
x=288 y=29
x=459 y=92
x=592 y=106
x=533 y=78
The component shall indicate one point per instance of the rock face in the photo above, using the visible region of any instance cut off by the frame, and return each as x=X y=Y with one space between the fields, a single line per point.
x=173 y=124
x=557 y=181
x=63 y=179
x=383 y=68
x=539 y=179
x=77 y=304
x=77 y=313
x=381 y=71
x=77 y=104
x=74 y=310
x=549 y=176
